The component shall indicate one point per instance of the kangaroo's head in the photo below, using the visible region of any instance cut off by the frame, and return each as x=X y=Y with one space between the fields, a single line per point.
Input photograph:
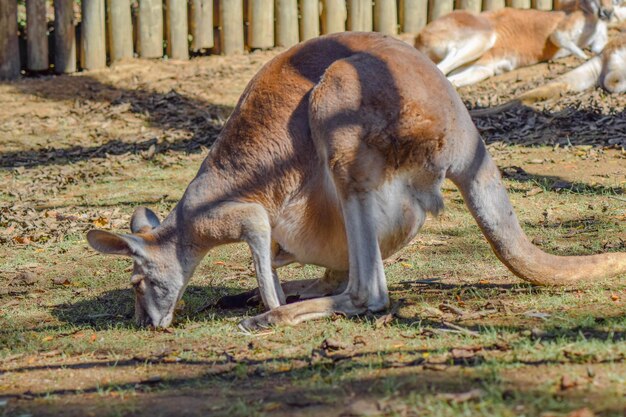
x=604 y=9
x=160 y=268
x=614 y=68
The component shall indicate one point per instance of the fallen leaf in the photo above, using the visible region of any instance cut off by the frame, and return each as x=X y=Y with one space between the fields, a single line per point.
x=27 y=278
x=47 y=338
x=331 y=344
x=100 y=222
x=568 y=382
x=61 y=281
x=462 y=353
x=461 y=397
x=536 y=314
x=435 y=366
x=362 y=408
x=22 y=240
x=272 y=406
x=614 y=297
x=533 y=191
x=582 y=412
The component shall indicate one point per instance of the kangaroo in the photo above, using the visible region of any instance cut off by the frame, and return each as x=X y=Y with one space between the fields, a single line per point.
x=333 y=156
x=470 y=48
x=607 y=70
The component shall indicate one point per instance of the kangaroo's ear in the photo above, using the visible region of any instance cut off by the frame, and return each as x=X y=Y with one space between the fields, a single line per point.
x=113 y=244
x=143 y=220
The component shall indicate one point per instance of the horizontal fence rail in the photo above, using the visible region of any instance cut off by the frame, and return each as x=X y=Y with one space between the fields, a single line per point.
x=67 y=35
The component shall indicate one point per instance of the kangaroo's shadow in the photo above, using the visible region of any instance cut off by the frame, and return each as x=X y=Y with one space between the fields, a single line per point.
x=117 y=307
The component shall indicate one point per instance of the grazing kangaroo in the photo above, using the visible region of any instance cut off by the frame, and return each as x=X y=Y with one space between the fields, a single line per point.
x=470 y=48
x=333 y=156
x=607 y=70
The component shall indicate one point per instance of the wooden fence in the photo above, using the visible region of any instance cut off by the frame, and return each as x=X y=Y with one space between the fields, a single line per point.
x=102 y=31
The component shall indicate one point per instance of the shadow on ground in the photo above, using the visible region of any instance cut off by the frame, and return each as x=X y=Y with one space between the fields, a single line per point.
x=168 y=111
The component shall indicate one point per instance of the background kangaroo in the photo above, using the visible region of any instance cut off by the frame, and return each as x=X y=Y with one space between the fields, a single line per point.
x=607 y=70
x=334 y=155
x=473 y=47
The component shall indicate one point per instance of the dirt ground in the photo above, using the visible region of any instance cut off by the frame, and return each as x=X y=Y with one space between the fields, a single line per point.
x=466 y=337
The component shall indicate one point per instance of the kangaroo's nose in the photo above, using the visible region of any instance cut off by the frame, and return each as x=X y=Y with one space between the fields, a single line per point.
x=606 y=13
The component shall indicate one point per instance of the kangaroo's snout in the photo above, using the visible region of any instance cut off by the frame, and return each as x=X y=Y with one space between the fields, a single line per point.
x=605 y=13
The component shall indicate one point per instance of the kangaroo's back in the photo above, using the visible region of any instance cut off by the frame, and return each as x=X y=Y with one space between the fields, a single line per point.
x=524 y=34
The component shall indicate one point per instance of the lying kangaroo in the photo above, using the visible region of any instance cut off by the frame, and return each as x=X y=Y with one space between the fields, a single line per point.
x=471 y=48
x=607 y=70
x=333 y=156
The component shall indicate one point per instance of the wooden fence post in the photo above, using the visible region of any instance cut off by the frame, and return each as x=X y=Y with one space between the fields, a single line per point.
x=201 y=24
x=440 y=8
x=386 y=17
x=286 y=22
x=519 y=4
x=334 y=16
x=231 y=26
x=150 y=33
x=493 y=4
x=9 y=47
x=470 y=5
x=36 y=35
x=120 y=29
x=261 y=24
x=176 y=29
x=64 y=37
x=542 y=4
x=413 y=15
x=93 y=35
x=309 y=19
x=360 y=15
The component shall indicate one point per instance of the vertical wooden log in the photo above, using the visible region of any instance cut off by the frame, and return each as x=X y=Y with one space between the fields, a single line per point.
x=470 y=5
x=261 y=23
x=176 y=15
x=493 y=4
x=542 y=4
x=440 y=8
x=360 y=15
x=9 y=46
x=519 y=4
x=64 y=37
x=334 y=15
x=36 y=35
x=201 y=24
x=93 y=35
x=309 y=19
x=413 y=15
x=286 y=22
x=150 y=34
x=386 y=17
x=120 y=30
x=231 y=26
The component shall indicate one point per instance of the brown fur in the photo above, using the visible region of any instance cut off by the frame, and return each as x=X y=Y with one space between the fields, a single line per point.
x=470 y=47
x=333 y=156
x=524 y=34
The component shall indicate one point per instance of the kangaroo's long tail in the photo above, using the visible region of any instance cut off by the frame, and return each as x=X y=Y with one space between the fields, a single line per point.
x=479 y=180
x=579 y=79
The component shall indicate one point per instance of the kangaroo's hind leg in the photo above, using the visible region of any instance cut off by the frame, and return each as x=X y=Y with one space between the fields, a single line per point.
x=357 y=169
x=331 y=283
x=462 y=53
